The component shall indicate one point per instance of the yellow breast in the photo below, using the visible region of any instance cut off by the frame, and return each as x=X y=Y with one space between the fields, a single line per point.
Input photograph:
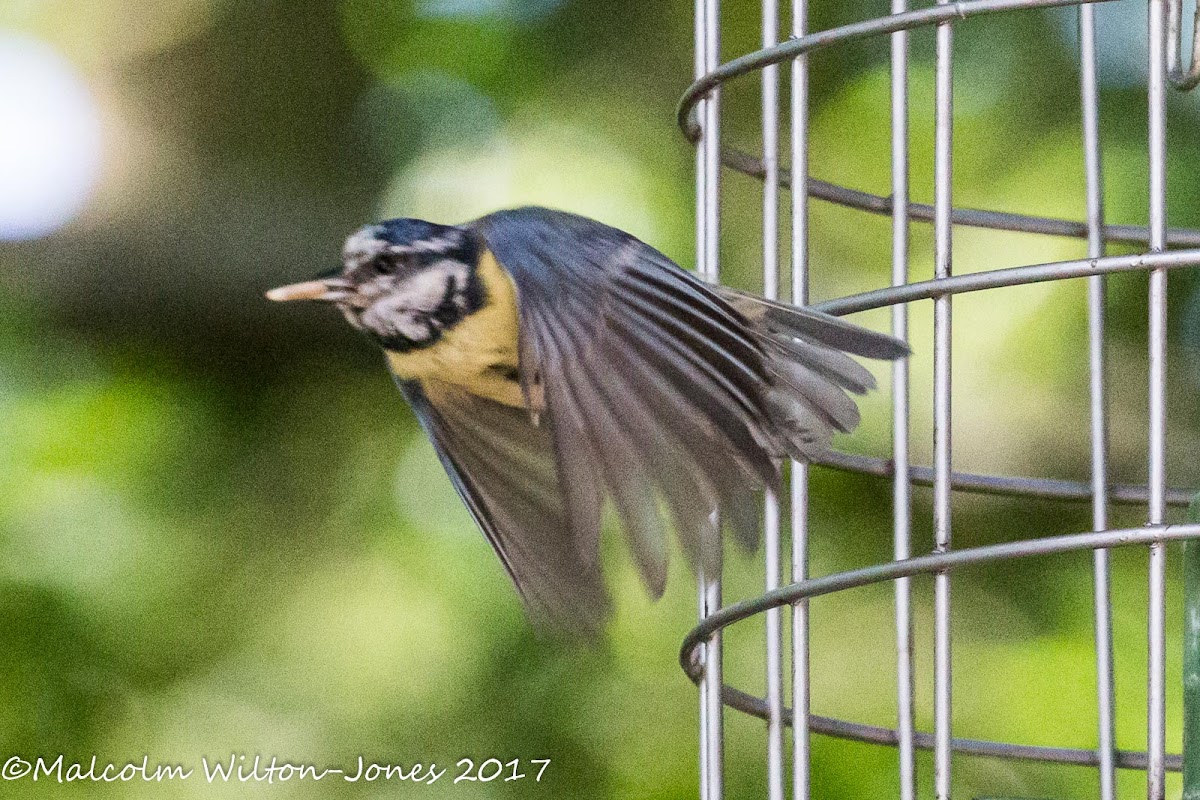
x=480 y=352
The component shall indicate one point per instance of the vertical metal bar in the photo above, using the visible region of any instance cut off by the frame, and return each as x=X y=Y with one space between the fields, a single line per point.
x=1157 y=133
x=801 y=750
x=703 y=608
x=1191 y=661
x=901 y=487
x=1105 y=700
x=774 y=656
x=714 y=709
x=770 y=236
x=943 y=139
x=710 y=144
x=701 y=245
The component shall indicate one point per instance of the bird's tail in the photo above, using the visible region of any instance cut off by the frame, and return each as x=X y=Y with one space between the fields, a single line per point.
x=813 y=375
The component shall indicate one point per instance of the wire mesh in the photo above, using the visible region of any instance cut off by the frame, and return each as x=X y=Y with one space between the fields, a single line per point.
x=701 y=655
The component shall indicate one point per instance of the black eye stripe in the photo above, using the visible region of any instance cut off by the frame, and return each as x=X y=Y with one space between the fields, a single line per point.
x=448 y=311
x=384 y=263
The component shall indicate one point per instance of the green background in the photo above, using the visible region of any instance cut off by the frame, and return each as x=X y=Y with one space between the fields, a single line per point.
x=222 y=531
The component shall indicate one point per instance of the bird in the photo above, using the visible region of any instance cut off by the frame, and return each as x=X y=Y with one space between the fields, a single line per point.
x=560 y=365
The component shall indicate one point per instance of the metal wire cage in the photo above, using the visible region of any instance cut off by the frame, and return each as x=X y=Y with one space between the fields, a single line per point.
x=701 y=656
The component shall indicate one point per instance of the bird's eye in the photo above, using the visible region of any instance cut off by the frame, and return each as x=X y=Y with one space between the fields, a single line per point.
x=382 y=266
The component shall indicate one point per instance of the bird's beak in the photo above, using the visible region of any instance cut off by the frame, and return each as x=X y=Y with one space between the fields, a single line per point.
x=326 y=290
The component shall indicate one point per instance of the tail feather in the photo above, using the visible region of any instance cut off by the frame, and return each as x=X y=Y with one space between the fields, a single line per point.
x=805 y=323
x=832 y=364
x=812 y=374
x=805 y=435
x=835 y=407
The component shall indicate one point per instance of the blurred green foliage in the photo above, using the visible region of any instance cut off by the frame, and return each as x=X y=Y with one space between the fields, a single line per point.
x=222 y=531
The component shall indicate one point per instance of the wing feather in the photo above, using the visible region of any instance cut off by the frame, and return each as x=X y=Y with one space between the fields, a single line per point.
x=615 y=454
x=805 y=323
x=505 y=470
x=663 y=375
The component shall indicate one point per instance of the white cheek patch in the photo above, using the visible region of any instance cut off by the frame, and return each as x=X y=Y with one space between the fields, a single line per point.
x=393 y=315
x=407 y=309
x=426 y=290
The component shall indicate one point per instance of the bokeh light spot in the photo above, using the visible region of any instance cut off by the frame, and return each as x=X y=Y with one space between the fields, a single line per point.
x=49 y=139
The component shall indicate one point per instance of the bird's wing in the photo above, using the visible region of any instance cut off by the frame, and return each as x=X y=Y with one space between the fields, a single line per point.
x=504 y=469
x=813 y=326
x=653 y=385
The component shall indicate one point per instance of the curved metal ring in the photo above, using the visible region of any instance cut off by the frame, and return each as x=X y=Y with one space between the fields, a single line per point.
x=1048 y=488
x=752 y=166
x=792 y=48
x=1010 y=276
x=923 y=565
x=888 y=737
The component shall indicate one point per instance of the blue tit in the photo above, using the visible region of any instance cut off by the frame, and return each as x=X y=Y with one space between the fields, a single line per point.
x=557 y=363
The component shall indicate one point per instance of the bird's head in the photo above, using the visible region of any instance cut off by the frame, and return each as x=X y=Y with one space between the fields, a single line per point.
x=404 y=282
